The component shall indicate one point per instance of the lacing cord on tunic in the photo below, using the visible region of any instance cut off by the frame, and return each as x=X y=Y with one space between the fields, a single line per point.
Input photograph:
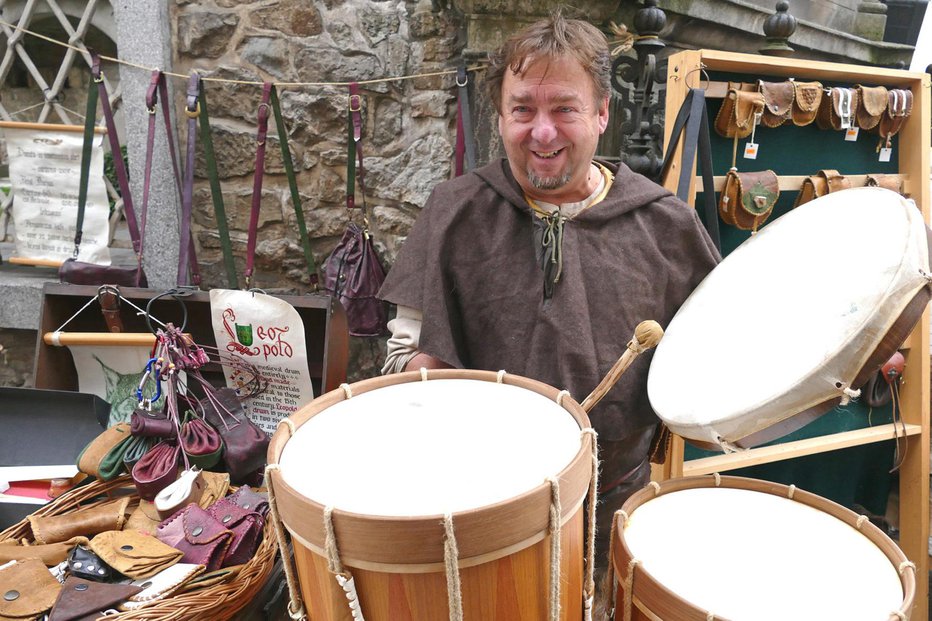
x=553 y=240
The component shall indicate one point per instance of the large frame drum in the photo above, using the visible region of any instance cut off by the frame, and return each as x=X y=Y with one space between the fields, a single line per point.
x=378 y=479
x=716 y=547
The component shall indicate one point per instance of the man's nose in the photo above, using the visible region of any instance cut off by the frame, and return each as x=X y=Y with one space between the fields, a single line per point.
x=544 y=129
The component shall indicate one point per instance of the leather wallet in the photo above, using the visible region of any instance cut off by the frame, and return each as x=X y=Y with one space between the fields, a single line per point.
x=81 y=599
x=83 y=522
x=247 y=498
x=162 y=585
x=27 y=590
x=50 y=553
x=246 y=526
x=202 y=539
x=84 y=564
x=103 y=456
x=133 y=553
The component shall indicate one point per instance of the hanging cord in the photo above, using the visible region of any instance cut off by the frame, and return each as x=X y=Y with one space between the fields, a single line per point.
x=343 y=577
x=295 y=604
x=451 y=562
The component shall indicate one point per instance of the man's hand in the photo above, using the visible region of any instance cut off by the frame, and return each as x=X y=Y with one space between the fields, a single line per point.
x=426 y=361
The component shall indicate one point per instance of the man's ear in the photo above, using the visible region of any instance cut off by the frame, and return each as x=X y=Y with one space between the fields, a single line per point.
x=603 y=115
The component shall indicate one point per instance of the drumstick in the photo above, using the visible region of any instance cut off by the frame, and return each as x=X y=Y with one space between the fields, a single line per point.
x=646 y=335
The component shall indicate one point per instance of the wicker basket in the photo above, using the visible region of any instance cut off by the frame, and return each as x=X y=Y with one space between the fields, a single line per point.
x=219 y=601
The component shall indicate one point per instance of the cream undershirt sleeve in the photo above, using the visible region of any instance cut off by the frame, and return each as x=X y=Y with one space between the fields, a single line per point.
x=403 y=343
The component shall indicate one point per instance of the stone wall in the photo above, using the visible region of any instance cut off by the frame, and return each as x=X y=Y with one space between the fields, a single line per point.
x=408 y=132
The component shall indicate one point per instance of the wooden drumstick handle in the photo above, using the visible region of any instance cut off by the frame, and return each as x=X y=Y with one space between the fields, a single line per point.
x=646 y=335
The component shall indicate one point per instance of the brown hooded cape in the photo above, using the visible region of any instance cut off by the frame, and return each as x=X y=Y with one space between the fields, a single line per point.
x=469 y=265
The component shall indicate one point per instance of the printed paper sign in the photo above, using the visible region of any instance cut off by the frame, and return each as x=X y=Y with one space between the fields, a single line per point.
x=45 y=170
x=268 y=333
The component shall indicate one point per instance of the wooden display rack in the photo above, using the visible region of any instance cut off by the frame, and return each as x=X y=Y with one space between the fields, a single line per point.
x=685 y=70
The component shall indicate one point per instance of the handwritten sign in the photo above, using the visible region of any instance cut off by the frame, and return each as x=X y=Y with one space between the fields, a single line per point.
x=45 y=168
x=268 y=333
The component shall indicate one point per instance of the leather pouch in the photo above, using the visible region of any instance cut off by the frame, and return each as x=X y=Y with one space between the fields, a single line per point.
x=201 y=442
x=83 y=522
x=249 y=499
x=187 y=489
x=820 y=184
x=50 y=553
x=806 y=102
x=890 y=182
x=83 y=600
x=246 y=526
x=28 y=590
x=245 y=445
x=135 y=554
x=156 y=469
x=139 y=520
x=899 y=108
x=151 y=424
x=739 y=112
x=873 y=104
x=83 y=563
x=216 y=486
x=778 y=102
x=135 y=449
x=838 y=108
x=162 y=585
x=103 y=456
x=747 y=199
x=202 y=539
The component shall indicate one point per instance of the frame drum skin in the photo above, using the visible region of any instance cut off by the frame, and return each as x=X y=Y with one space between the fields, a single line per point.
x=794 y=321
x=391 y=456
x=733 y=548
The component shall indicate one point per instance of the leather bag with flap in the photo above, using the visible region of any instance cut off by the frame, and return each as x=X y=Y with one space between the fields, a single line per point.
x=838 y=108
x=873 y=104
x=778 y=102
x=748 y=198
x=27 y=590
x=739 y=112
x=202 y=539
x=899 y=108
x=246 y=526
x=806 y=102
x=82 y=600
x=133 y=553
x=820 y=184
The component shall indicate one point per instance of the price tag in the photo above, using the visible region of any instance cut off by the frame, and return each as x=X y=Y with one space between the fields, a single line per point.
x=851 y=134
x=750 y=151
x=885 y=154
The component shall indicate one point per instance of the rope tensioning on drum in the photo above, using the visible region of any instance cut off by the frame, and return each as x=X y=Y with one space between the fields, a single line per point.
x=629 y=588
x=500 y=378
x=335 y=566
x=718 y=479
x=347 y=391
x=561 y=394
x=791 y=491
x=847 y=393
x=451 y=562
x=423 y=374
x=589 y=581
x=555 y=513
x=295 y=604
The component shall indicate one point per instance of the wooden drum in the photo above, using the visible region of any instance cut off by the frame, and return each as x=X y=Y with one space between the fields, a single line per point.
x=436 y=494
x=715 y=547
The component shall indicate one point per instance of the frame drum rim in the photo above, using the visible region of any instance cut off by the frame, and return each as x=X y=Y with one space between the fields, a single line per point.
x=669 y=606
x=374 y=541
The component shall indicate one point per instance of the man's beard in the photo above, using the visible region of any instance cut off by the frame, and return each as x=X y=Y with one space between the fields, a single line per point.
x=549 y=183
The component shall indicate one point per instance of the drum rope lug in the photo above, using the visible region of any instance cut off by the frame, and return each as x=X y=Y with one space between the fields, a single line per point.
x=451 y=560
x=295 y=605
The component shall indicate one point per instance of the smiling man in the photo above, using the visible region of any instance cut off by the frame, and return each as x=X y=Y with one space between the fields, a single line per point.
x=543 y=263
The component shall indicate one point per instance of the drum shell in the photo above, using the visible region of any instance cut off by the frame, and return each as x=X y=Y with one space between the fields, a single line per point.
x=652 y=600
x=399 y=561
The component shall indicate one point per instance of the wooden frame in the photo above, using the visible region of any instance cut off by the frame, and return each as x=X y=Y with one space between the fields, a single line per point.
x=684 y=72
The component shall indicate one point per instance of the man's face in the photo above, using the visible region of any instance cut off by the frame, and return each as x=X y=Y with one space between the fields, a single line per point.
x=550 y=124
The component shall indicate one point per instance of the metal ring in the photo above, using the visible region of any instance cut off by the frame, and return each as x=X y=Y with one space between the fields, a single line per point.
x=701 y=68
x=464 y=83
x=193 y=114
x=358 y=103
x=175 y=293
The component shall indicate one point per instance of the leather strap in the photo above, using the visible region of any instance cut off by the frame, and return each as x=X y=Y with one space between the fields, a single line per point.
x=692 y=115
x=216 y=194
x=262 y=131
x=293 y=187
x=465 y=147
x=354 y=149
x=186 y=254
x=834 y=180
x=109 y=299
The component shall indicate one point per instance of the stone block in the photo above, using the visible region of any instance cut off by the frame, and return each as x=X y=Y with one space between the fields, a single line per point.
x=205 y=34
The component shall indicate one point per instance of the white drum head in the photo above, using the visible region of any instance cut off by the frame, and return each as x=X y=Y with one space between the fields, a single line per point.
x=790 y=317
x=753 y=556
x=428 y=448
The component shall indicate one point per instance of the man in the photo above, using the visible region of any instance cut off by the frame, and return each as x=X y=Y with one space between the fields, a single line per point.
x=543 y=264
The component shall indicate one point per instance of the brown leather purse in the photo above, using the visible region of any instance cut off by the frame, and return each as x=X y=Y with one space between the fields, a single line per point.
x=890 y=182
x=838 y=108
x=748 y=198
x=820 y=184
x=740 y=111
x=778 y=102
x=899 y=108
x=872 y=107
x=806 y=102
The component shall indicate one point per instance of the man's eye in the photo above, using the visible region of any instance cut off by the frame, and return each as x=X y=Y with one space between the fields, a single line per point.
x=565 y=109
x=521 y=109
